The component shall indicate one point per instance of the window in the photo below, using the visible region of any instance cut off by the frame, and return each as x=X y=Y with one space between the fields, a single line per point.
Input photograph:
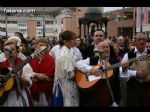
x=2 y=29
x=39 y=23
x=55 y=22
x=48 y=22
x=39 y=31
x=23 y=31
x=3 y=22
x=8 y=22
x=22 y=23
x=11 y=22
x=129 y=15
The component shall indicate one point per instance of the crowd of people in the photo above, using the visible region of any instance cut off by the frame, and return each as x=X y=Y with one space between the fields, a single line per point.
x=50 y=79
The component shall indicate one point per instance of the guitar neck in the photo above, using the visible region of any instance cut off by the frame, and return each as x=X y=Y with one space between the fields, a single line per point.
x=20 y=66
x=120 y=64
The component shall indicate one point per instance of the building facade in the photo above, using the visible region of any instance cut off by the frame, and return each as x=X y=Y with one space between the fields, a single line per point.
x=39 y=21
x=143 y=20
x=121 y=22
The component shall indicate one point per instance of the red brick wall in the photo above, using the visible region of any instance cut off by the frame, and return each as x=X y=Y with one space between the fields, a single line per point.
x=31 y=28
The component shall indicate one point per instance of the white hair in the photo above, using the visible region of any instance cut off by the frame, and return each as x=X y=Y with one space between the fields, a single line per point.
x=16 y=38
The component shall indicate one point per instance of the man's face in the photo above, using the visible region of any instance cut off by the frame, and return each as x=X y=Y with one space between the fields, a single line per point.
x=98 y=37
x=104 y=47
x=120 y=41
x=140 y=42
x=147 y=45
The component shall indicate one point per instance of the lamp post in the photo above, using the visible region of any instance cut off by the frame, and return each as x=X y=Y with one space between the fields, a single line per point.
x=44 y=22
x=141 y=17
x=134 y=19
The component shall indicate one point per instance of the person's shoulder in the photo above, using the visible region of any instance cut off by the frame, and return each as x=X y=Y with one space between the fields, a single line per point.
x=55 y=47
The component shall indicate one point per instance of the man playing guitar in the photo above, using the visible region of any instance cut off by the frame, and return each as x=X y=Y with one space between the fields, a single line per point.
x=138 y=93
x=100 y=95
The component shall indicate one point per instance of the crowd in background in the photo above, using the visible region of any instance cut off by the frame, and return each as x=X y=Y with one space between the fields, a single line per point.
x=54 y=71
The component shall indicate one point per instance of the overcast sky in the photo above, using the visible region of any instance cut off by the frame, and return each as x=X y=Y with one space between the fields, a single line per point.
x=111 y=8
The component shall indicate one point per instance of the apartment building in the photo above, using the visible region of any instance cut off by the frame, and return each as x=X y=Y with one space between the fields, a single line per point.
x=143 y=20
x=39 y=21
x=121 y=22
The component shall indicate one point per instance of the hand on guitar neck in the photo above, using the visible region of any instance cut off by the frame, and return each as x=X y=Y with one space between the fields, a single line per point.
x=139 y=73
x=125 y=65
x=40 y=77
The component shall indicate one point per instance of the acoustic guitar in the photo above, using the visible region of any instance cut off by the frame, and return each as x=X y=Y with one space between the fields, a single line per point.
x=87 y=81
x=7 y=76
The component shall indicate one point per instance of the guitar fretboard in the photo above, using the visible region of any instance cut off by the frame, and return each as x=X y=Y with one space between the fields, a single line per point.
x=120 y=64
x=20 y=66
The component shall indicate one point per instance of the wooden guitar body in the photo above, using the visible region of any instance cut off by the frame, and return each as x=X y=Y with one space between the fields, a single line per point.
x=84 y=83
x=7 y=80
x=6 y=86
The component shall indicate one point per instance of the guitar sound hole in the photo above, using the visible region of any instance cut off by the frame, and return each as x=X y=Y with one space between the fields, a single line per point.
x=102 y=69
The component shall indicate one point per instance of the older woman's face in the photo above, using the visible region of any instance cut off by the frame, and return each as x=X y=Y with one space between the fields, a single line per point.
x=78 y=41
x=40 y=45
x=8 y=53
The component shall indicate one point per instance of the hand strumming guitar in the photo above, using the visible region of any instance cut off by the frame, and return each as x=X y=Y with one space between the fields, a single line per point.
x=95 y=71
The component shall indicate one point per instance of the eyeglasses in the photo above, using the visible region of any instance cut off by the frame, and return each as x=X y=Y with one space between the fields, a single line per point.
x=6 y=49
x=99 y=35
x=78 y=40
x=139 y=39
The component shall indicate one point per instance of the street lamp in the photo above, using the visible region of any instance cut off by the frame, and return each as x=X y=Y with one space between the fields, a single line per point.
x=44 y=22
x=123 y=17
x=141 y=17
